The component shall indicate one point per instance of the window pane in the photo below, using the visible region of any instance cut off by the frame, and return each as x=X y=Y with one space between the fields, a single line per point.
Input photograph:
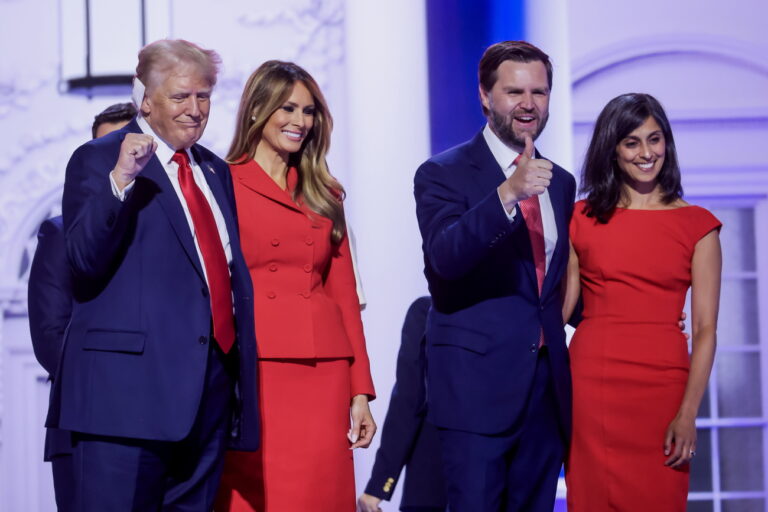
x=737 y=321
x=700 y=506
x=701 y=466
x=741 y=459
x=737 y=238
x=753 y=505
x=738 y=385
x=705 y=411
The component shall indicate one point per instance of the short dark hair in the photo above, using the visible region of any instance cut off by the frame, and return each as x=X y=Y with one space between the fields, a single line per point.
x=601 y=178
x=113 y=114
x=518 y=51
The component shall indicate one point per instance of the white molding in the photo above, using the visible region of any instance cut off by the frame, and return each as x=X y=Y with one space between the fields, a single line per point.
x=747 y=182
x=737 y=52
x=756 y=114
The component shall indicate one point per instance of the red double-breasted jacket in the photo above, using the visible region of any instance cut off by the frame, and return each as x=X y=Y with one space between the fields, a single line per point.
x=305 y=299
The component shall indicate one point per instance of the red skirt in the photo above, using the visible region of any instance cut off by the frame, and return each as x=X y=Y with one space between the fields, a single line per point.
x=304 y=462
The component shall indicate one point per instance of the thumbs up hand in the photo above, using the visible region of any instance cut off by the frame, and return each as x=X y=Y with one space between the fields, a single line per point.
x=531 y=177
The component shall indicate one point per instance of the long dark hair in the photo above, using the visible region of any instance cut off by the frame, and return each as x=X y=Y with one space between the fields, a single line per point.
x=602 y=181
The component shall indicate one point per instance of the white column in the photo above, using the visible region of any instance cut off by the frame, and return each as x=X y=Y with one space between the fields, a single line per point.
x=388 y=116
x=547 y=27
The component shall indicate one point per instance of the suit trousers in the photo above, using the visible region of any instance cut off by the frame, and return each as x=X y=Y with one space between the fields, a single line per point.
x=516 y=470
x=137 y=475
x=63 y=482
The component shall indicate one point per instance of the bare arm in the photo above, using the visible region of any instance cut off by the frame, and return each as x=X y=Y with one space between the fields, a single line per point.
x=571 y=284
x=705 y=299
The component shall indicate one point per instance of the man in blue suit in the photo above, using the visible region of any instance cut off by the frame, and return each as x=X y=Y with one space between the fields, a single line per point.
x=407 y=439
x=493 y=215
x=50 y=307
x=157 y=375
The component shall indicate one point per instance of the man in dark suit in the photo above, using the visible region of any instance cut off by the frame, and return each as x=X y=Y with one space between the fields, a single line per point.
x=49 y=302
x=407 y=439
x=157 y=374
x=494 y=217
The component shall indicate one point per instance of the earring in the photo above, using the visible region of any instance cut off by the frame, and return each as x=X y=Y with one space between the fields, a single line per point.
x=253 y=118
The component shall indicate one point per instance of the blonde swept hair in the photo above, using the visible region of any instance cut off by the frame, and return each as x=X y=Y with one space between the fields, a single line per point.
x=158 y=58
x=265 y=91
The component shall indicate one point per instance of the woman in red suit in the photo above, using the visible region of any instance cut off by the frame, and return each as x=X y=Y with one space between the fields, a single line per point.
x=636 y=248
x=313 y=366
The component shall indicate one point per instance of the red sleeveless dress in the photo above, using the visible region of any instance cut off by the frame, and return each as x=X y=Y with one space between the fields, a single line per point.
x=629 y=360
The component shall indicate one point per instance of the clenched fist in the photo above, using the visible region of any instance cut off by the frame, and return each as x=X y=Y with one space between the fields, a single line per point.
x=135 y=152
x=531 y=177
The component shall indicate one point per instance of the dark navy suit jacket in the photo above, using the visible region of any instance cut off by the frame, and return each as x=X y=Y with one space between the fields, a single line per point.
x=407 y=439
x=135 y=353
x=49 y=300
x=483 y=329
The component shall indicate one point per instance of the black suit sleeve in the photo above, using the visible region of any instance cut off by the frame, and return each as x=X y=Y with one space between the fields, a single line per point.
x=407 y=405
x=49 y=296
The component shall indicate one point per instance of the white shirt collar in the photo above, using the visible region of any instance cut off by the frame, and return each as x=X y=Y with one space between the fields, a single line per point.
x=503 y=154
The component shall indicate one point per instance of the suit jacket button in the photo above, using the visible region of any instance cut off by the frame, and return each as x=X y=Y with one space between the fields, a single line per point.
x=307 y=268
x=203 y=340
x=275 y=242
x=271 y=295
x=534 y=347
x=306 y=295
x=273 y=267
x=111 y=219
x=309 y=240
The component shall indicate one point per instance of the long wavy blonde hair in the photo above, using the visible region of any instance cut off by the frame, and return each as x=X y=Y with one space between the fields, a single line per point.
x=265 y=91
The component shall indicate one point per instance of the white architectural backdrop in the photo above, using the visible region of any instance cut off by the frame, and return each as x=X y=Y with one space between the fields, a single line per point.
x=707 y=62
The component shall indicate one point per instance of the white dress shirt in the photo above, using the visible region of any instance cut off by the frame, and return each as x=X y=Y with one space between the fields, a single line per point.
x=164 y=153
x=505 y=156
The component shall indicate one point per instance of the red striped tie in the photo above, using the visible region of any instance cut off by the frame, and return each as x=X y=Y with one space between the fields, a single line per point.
x=214 y=259
x=532 y=214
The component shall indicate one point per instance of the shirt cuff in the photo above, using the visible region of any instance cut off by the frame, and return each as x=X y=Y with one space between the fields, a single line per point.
x=120 y=194
x=511 y=215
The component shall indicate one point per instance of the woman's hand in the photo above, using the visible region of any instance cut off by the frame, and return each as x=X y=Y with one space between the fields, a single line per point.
x=682 y=434
x=363 y=426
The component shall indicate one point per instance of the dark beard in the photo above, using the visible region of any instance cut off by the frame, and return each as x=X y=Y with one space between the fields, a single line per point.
x=502 y=126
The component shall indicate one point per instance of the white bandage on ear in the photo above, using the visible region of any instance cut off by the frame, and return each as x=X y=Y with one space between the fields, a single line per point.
x=137 y=93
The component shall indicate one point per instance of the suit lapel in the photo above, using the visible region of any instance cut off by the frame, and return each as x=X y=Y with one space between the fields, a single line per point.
x=217 y=190
x=561 y=248
x=489 y=176
x=171 y=204
x=253 y=177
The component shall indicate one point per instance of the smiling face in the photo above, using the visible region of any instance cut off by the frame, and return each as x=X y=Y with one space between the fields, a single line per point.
x=177 y=109
x=518 y=103
x=640 y=155
x=289 y=125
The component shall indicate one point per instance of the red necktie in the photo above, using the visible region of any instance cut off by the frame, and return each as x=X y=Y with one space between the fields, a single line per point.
x=214 y=259
x=532 y=214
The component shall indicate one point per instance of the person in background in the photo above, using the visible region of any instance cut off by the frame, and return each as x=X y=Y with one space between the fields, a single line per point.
x=407 y=439
x=313 y=366
x=112 y=118
x=636 y=249
x=158 y=371
x=49 y=302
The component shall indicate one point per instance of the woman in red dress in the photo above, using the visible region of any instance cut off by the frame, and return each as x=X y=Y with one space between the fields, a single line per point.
x=313 y=366
x=636 y=248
